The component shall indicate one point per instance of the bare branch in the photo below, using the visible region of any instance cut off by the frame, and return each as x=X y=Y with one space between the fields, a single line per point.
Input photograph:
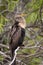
x=2 y=53
x=2 y=45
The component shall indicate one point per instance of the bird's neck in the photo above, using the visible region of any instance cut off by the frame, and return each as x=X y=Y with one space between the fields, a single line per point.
x=22 y=25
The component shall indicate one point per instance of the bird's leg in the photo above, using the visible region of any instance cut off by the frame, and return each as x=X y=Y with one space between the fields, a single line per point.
x=21 y=46
x=12 y=54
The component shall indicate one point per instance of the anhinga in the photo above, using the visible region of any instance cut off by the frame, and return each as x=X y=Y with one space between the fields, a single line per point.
x=17 y=34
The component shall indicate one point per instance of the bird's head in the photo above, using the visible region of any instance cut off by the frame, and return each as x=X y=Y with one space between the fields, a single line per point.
x=21 y=21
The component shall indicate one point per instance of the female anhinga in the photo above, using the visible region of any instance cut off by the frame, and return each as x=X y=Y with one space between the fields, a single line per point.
x=17 y=34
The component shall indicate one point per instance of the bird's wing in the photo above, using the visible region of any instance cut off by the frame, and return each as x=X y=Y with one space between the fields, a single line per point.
x=13 y=30
x=16 y=36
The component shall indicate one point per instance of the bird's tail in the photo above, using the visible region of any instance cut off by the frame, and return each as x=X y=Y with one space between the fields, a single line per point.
x=13 y=58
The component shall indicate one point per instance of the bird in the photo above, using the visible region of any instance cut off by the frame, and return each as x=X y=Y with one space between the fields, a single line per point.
x=17 y=34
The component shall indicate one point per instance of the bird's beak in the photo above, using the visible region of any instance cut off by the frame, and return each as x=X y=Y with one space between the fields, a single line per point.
x=23 y=15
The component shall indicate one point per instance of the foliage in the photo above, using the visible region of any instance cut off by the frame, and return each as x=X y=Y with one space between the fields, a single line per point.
x=4 y=5
x=32 y=53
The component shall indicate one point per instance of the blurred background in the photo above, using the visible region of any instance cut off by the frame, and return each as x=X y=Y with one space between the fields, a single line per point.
x=32 y=52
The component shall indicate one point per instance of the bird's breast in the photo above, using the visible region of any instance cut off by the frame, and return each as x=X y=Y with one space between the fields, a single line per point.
x=17 y=38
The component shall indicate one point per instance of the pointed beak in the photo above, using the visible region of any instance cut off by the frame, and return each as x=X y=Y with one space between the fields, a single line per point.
x=23 y=15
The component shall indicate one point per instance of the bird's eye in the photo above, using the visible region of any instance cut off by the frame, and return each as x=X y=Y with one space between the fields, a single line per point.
x=18 y=18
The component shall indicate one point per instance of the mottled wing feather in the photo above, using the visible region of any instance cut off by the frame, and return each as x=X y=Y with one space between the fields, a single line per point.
x=17 y=35
x=12 y=31
x=15 y=38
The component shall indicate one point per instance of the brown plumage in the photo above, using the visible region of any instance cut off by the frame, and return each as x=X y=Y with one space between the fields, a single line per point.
x=17 y=34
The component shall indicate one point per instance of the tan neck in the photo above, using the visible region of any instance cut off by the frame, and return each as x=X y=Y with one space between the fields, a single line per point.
x=22 y=23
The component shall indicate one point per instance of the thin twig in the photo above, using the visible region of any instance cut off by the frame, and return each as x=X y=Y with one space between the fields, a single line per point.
x=2 y=53
x=2 y=45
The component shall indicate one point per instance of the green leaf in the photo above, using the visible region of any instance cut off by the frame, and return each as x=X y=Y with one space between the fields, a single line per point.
x=12 y=4
x=37 y=4
x=36 y=60
x=31 y=18
x=1 y=27
x=1 y=58
x=3 y=20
